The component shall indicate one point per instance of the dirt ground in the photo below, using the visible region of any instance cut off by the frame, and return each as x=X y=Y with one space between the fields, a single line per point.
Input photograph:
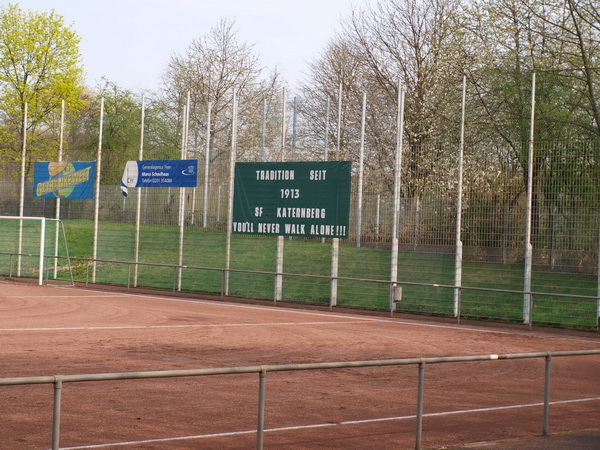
x=46 y=330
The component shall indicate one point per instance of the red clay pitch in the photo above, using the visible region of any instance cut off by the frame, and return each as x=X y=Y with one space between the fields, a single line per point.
x=72 y=330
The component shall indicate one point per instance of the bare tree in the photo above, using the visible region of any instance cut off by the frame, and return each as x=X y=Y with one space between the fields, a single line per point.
x=411 y=42
x=337 y=72
x=213 y=67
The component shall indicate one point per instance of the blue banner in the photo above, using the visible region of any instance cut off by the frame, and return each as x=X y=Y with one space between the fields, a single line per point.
x=64 y=179
x=160 y=173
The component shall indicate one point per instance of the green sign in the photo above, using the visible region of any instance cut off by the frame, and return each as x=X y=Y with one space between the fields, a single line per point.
x=308 y=199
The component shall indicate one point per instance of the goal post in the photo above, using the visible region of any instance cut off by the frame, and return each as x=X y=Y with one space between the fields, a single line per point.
x=26 y=240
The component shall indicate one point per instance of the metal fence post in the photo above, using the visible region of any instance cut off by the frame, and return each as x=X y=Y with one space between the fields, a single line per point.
x=174 y=277
x=598 y=283
x=223 y=283
x=527 y=303
x=56 y=415
x=420 y=405
x=547 y=396
x=335 y=261
x=530 y=308
x=260 y=430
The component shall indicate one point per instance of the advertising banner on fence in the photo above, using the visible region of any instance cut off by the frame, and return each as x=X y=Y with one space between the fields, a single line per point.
x=160 y=173
x=308 y=199
x=64 y=179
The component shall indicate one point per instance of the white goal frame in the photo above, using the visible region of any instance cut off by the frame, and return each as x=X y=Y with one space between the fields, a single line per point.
x=42 y=242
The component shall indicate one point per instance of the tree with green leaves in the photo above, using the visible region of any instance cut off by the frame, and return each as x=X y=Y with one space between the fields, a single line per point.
x=40 y=65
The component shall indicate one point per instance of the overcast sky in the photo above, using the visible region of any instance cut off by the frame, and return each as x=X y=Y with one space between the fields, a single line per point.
x=130 y=41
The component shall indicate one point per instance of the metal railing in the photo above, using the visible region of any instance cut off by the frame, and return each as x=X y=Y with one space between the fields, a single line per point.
x=59 y=380
x=395 y=287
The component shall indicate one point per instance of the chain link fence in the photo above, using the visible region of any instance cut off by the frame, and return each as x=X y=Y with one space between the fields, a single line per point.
x=565 y=234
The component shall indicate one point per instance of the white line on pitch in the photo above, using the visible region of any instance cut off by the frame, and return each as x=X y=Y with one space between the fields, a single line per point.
x=329 y=424
x=342 y=316
x=144 y=327
x=61 y=296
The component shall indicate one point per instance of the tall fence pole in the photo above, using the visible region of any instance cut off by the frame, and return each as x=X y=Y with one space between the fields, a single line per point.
x=182 y=191
x=459 y=244
x=22 y=193
x=60 y=158
x=326 y=140
x=416 y=225
x=505 y=231
x=527 y=298
x=335 y=242
x=338 y=148
x=278 y=295
x=232 y=158
x=263 y=130
x=42 y=248
x=598 y=282
x=377 y=216
x=294 y=127
x=97 y=200
x=326 y=133
x=207 y=166
x=138 y=208
x=397 y=180
x=361 y=171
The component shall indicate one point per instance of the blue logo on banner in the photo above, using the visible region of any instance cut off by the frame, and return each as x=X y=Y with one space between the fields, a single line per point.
x=160 y=173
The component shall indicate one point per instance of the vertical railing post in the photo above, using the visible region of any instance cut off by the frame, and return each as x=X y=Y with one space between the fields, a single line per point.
x=223 y=281
x=547 y=396
x=262 y=387
x=56 y=415
x=174 y=277
x=530 y=311
x=420 y=405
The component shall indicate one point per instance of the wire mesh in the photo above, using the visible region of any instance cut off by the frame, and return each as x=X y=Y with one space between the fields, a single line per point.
x=565 y=235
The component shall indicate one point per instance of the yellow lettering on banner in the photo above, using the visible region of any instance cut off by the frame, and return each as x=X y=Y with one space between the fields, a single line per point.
x=69 y=180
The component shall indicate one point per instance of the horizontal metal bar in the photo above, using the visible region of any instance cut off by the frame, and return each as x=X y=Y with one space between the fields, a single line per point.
x=284 y=367
x=327 y=277
x=28 y=218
